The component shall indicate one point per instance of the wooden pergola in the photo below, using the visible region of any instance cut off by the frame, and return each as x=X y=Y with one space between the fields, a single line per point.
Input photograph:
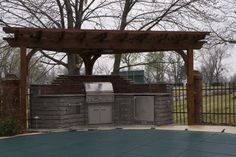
x=91 y=44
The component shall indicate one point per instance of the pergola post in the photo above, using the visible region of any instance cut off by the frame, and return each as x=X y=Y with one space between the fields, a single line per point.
x=190 y=88
x=23 y=86
x=198 y=96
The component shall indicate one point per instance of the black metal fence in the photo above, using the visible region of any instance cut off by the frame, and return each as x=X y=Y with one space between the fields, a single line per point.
x=219 y=104
x=180 y=104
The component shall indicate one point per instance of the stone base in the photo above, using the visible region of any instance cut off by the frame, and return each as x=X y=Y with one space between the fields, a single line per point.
x=64 y=111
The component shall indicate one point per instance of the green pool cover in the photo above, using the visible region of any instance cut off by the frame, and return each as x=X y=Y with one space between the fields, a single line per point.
x=121 y=143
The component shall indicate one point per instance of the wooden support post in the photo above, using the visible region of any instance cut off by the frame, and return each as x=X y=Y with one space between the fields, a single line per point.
x=190 y=88
x=23 y=86
x=198 y=96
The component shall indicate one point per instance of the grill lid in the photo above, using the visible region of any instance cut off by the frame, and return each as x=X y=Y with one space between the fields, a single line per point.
x=99 y=92
x=98 y=87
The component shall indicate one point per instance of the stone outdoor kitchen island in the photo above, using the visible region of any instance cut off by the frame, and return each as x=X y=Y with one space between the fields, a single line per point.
x=67 y=103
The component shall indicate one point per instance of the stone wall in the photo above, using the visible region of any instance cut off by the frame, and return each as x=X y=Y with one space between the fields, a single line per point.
x=57 y=111
x=163 y=109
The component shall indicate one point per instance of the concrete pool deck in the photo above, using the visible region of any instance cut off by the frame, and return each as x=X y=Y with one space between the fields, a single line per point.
x=200 y=128
x=204 y=128
x=127 y=142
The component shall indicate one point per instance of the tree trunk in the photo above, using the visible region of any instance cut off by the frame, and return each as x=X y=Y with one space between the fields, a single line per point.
x=89 y=61
x=116 y=65
x=72 y=68
x=73 y=59
x=128 y=5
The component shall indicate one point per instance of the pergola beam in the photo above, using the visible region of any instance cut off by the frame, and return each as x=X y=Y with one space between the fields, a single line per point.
x=183 y=55
x=78 y=47
x=76 y=41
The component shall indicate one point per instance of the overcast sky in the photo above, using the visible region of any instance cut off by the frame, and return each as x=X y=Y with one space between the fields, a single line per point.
x=231 y=61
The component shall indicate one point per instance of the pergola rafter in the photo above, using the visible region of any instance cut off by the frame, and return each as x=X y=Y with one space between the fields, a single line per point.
x=91 y=44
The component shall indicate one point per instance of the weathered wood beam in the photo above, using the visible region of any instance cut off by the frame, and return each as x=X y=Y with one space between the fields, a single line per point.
x=190 y=88
x=81 y=36
x=23 y=86
x=61 y=36
x=141 y=37
x=121 y=37
x=108 y=45
x=182 y=54
x=101 y=37
x=70 y=37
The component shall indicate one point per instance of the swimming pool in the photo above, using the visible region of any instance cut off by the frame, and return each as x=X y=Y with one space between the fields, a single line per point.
x=121 y=143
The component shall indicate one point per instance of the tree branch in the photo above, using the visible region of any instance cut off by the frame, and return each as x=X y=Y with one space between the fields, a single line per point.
x=146 y=63
x=59 y=62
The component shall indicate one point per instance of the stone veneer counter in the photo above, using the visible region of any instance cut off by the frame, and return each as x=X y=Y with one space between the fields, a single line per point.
x=68 y=110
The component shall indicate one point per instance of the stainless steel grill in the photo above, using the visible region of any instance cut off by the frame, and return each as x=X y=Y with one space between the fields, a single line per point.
x=99 y=92
x=99 y=97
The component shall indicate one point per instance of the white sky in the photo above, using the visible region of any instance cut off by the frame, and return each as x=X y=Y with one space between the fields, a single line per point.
x=231 y=61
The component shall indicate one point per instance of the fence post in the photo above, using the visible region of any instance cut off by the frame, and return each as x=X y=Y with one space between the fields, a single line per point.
x=198 y=96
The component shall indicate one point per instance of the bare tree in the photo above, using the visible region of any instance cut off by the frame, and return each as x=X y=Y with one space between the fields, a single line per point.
x=130 y=59
x=112 y=14
x=164 y=15
x=155 y=72
x=176 y=69
x=233 y=79
x=224 y=29
x=126 y=8
x=10 y=61
x=65 y=14
x=212 y=67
